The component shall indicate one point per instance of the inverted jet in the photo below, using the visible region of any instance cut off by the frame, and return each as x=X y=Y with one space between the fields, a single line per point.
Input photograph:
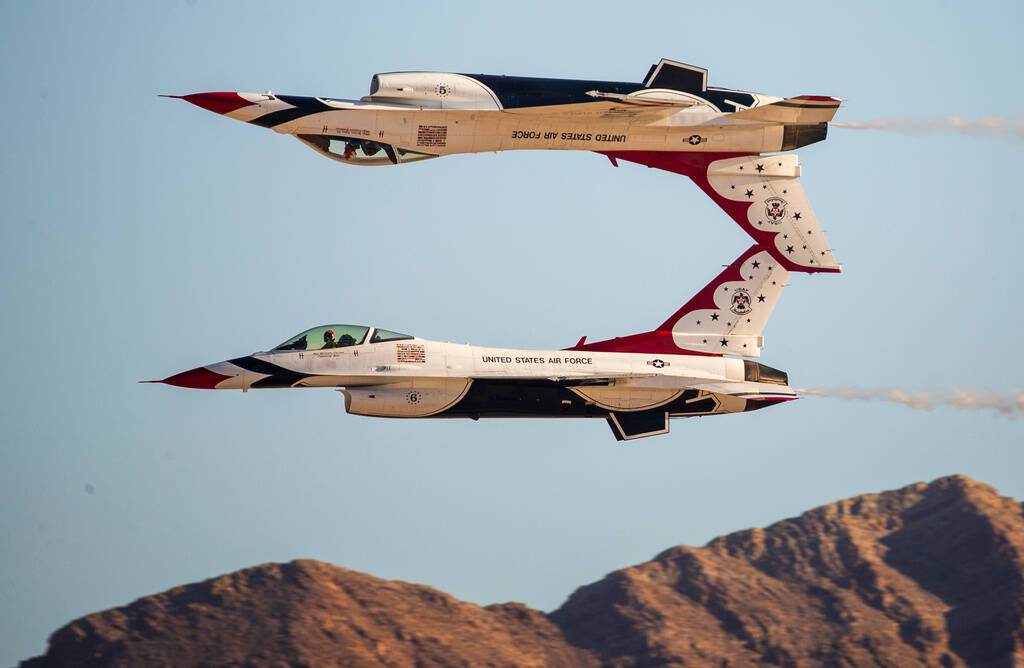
x=672 y=121
x=688 y=366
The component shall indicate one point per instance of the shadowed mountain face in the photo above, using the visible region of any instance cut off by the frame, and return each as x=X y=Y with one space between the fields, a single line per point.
x=308 y=613
x=929 y=575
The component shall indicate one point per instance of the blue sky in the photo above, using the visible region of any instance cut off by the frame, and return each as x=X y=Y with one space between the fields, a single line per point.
x=143 y=236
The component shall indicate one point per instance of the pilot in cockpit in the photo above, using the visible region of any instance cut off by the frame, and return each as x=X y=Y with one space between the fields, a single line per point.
x=345 y=340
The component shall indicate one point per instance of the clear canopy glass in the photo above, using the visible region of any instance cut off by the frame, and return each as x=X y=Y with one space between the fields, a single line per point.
x=361 y=151
x=326 y=336
x=338 y=336
x=381 y=335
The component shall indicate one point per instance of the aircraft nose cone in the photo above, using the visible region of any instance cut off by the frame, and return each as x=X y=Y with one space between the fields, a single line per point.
x=220 y=103
x=199 y=378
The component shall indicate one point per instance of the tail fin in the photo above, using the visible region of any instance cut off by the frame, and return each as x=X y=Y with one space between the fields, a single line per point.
x=726 y=317
x=761 y=193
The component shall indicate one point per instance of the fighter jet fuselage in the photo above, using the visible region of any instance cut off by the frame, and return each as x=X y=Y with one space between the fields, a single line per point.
x=417 y=378
x=636 y=382
x=410 y=116
x=671 y=121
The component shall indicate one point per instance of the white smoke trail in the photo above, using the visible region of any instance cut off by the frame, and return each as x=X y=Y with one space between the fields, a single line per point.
x=1012 y=126
x=1006 y=403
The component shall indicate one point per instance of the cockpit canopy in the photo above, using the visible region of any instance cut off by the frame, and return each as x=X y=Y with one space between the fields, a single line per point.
x=338 y=336
x=359 y=151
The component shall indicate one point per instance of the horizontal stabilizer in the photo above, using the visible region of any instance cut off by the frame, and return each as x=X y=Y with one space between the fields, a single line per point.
x=750 y=391
x=803 y=110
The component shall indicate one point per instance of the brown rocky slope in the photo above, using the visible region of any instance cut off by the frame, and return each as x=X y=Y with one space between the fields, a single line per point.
x=928 y=575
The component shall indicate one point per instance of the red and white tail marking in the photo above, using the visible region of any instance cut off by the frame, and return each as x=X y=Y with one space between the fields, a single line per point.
x=761 y=193
x=728 y=315
x=724 y=318
x=778 y=211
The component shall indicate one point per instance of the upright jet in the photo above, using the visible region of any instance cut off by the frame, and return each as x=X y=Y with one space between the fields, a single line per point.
x=636 y=383
x=671 y=121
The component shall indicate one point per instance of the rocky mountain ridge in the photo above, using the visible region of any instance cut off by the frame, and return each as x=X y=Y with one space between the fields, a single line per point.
x=927 y=575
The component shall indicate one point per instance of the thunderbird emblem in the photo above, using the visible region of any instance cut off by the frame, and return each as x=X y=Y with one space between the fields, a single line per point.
x=775 y=208
x=740 y=302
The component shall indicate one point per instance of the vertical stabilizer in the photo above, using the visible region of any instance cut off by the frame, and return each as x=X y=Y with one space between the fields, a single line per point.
x=729 y=314
x=761 y=193
x=725 y=318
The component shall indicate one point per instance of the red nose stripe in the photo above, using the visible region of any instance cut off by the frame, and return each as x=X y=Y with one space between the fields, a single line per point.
x=221 y=103
x=199 y=379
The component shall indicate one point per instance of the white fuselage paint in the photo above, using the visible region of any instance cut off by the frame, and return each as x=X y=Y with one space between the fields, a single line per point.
x=693 y=129
x=380 y=363
x=419 y=378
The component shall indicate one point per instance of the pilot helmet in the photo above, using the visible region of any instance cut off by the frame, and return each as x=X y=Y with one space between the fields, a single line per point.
x=328 y=335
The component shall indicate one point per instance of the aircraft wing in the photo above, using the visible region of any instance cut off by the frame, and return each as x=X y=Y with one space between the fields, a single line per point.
x=567 y=379
x=761 y=193
x=603 y=379
x=604 y=110
x=802 y=110
x=733 y=388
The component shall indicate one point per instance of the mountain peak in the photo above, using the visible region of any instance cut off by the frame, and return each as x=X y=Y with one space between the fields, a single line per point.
x=928 y=575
